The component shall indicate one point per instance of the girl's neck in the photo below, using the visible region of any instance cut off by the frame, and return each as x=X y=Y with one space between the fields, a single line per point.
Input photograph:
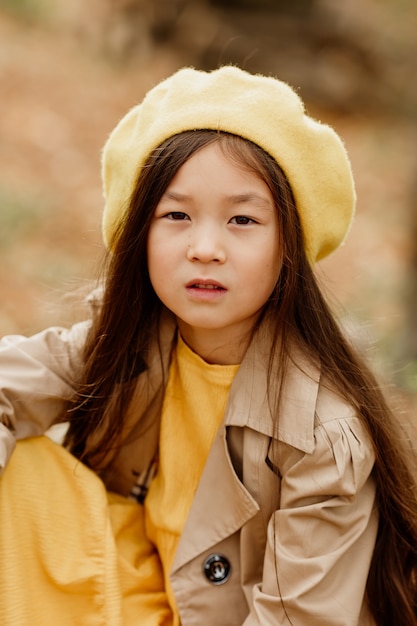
x=215 y=346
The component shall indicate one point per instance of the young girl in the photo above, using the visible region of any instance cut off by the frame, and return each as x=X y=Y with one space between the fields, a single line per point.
x=213 y=387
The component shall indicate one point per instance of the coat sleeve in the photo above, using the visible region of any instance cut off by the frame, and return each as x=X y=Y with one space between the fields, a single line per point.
x=37 y=377
x=320 y=542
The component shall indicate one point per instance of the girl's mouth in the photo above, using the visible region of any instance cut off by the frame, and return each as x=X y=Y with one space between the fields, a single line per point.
x=205 y=290
x=204 y=286
x=205 y=283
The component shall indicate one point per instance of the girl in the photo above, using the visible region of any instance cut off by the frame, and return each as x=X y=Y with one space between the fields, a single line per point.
x=214 y=387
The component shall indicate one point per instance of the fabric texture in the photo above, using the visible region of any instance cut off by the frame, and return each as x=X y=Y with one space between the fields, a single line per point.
x=262 y=109
x=72 y=553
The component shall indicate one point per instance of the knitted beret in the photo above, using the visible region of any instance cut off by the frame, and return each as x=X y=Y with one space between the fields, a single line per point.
x=262 y=109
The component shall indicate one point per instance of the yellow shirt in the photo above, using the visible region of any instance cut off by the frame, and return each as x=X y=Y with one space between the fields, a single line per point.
x=193 y=409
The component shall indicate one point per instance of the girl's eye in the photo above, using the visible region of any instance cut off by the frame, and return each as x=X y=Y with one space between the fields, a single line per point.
x=242 y=220
x=177 y=216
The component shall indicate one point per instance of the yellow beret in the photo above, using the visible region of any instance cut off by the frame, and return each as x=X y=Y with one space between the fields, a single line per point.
x=262 y=109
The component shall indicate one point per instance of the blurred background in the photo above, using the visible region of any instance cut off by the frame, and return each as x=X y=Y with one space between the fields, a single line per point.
x=70 y=70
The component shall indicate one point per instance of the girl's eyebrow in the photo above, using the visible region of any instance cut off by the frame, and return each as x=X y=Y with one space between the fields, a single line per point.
x=173 y=195
x=251 y=197
x=234 y=199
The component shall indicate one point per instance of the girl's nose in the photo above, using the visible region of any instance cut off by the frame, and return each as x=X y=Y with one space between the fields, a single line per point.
x=206 y=246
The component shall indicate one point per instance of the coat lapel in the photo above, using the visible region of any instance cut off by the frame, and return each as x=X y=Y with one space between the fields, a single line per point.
x=221 y=506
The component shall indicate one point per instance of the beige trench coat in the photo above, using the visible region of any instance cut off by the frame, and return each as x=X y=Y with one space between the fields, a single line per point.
x=283 y=524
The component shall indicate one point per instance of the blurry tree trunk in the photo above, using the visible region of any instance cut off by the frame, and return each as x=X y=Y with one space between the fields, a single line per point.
x=408 y=354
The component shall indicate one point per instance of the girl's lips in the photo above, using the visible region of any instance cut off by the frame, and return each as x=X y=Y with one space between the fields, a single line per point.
x=205 y=289
x=205 y=284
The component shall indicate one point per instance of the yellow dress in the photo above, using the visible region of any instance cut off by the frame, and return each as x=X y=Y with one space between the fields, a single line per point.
x=72 y=553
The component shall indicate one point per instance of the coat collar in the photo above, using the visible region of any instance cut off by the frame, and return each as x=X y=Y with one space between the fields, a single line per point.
x=248 y=403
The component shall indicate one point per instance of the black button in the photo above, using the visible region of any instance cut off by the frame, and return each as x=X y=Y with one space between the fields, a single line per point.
x=217 y=569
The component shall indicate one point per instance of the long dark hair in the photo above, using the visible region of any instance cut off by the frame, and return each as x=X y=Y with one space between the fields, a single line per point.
x=119 y=341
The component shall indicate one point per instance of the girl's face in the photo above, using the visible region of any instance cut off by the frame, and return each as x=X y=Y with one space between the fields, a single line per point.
x=214 y=254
